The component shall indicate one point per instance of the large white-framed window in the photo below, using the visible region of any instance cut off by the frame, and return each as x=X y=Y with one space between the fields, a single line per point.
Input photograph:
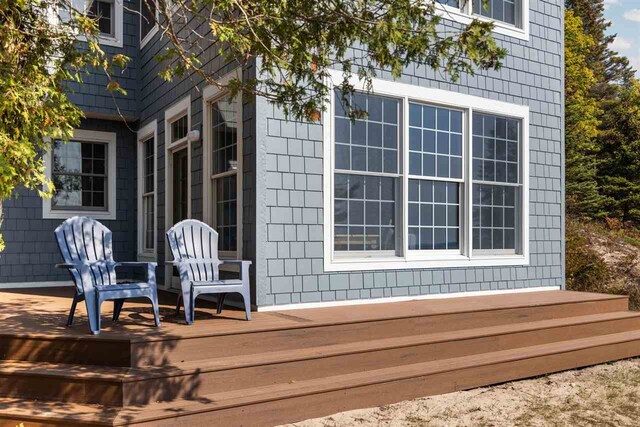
x=147 y=188
x=510 y=17
x=83 y=172
x=223 y=166
x=149 y=16
x=428 y=179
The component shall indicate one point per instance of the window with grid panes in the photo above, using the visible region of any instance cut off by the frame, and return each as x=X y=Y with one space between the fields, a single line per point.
x=374 y=190
x=79 y=175
x=148 y=194
x=224 y=161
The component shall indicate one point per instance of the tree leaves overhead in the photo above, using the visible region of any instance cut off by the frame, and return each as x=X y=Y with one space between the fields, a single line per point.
x=39 y=54
x=297 y=41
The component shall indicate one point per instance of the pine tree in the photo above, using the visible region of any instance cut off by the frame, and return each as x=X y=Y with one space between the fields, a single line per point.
x=581 y=122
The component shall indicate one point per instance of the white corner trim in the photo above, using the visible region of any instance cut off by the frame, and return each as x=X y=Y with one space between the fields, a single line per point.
x=147 y=131
x=82 y=135
x=406 y=260
x=286 y=307
x=465 y=17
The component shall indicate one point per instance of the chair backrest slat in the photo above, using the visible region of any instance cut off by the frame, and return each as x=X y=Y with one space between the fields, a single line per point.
x=195 y=240
x=83 y=239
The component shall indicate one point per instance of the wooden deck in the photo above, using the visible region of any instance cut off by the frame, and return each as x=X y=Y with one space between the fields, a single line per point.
x=288 y=366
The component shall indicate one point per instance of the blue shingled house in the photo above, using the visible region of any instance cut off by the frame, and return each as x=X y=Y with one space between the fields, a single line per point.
x=415 y=251
x=444 y=189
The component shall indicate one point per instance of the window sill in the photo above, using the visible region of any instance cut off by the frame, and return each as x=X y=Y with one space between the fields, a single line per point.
x=146 y=39
x=65 y=214
x=106 y=41
x=505 y=29
x=438 y=261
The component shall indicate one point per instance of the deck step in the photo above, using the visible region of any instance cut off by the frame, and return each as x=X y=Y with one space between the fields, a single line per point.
x=381 y=321
x=292 y=401
x=126 y=386
x=133 y=344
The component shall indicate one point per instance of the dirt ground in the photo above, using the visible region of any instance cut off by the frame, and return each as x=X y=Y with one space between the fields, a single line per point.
x=603 y=395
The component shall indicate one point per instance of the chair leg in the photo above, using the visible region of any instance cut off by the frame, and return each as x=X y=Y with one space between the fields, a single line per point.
x=221 y=298
x=178 y=304
x=156 y=310
x=246 y=297
x=92 y=301
x=117 y=308
x=76 y=299
x=192 y=304
x=186 y=298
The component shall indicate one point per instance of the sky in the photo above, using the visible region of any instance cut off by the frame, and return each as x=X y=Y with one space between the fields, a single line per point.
x=625 y=21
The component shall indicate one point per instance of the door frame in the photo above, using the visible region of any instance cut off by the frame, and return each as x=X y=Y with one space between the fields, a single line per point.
x=177 y=110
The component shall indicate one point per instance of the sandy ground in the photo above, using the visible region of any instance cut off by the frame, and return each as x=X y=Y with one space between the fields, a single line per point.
x=603 y=395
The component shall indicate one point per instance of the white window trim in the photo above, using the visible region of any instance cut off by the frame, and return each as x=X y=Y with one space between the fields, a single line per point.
x=118 y=31
x=465 y=16
x=144 y=40
x=82 y=135
x=408 y=260
x=177 y=110
x=210 y=94
x=147 y=131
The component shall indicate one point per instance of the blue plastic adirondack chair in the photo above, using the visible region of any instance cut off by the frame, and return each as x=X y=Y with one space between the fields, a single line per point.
x=194 y=246
x=85 y=245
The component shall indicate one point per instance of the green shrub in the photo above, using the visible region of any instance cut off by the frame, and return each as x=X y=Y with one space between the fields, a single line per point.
x=586 y=271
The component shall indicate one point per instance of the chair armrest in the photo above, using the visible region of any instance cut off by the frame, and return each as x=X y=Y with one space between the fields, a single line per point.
x=194 y=261
x=244 y=267
x=136 y=264
x=235 y=261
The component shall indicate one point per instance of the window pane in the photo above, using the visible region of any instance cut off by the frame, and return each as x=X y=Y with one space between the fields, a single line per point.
x=364 y=212
x=368 y=144
x=500 y=10
x=495 y=223
x=103 y=12
x=452 y=3
x=79 y=175
x=147 y=17
x=224 y=135
x=225 y=204
x=148 y=219
x=179 y=129
x=496 y=142
x=435 y=141
x=434 y=212
x=148 y=165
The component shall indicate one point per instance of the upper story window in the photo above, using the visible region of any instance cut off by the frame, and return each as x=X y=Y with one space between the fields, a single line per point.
x=104 y=12
x=427 y=179
x=510 y=17
x=83 y=173
x=148 y=21
x=109 y=17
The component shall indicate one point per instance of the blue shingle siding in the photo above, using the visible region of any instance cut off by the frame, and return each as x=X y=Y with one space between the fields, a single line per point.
x=155 y=96
x=290 y=227
x=92 y=95
x=32 y=251
x=283 y=229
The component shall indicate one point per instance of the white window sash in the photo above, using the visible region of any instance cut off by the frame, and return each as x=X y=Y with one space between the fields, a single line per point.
x=144 y=134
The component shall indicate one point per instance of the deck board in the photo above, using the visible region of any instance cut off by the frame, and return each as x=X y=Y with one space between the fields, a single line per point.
x=42 y=313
